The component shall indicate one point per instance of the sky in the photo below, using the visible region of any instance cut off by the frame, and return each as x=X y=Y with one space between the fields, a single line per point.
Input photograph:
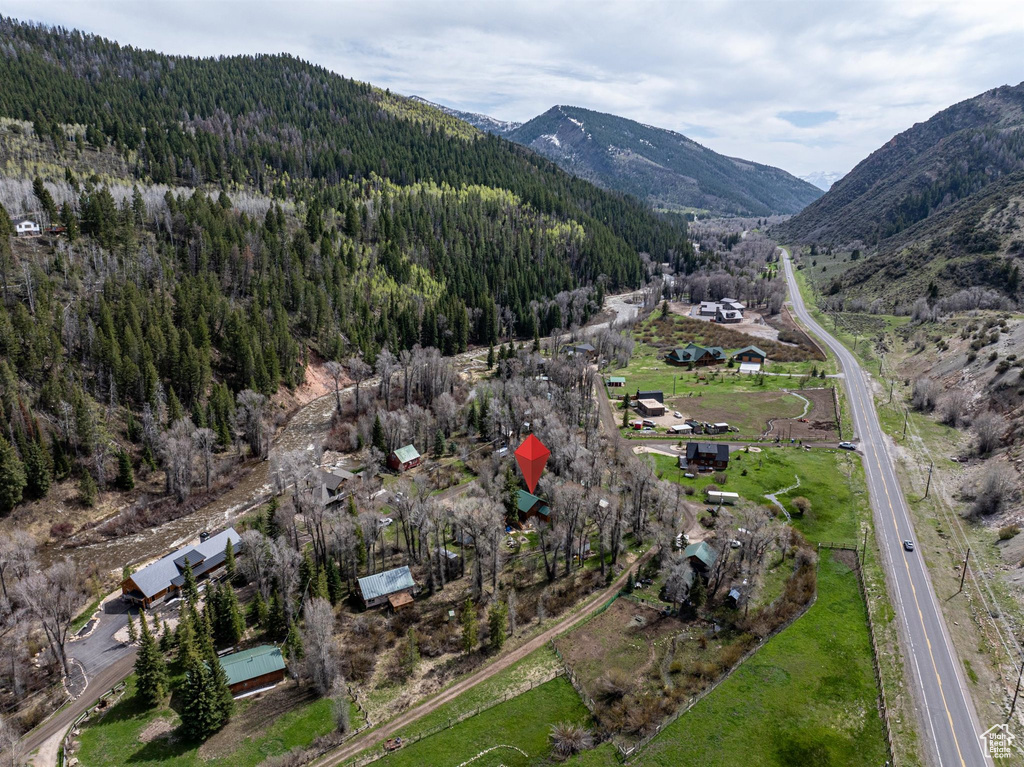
x=809 y=86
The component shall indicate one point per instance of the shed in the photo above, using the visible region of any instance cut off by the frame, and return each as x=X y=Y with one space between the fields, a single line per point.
x=375 y=589
x=256 y=669
x=398 y=601
x=702 y=557
x=722 y=496
x=733 y=597
x=681 y=428
x=404 y=458
x=616 y=382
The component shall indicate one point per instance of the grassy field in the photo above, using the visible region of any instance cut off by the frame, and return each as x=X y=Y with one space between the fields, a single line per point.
x=806 y=698
x=261 y=727
x=832 y=480
x=523 y=722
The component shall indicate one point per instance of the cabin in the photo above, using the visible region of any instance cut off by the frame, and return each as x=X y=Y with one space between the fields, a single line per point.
x=333 y=485
x=732 y=599
x=164 y=578
x=650 y=407
x=728 y=316
x=26 y=227
x=404 y=458
x=587 y=350
x=259 y=668
x=615 y=382
x=714 y=455
x=653 y=394
x=692 y=354
x=701 y=557
x=722 y=497
x=530 y=505
x=750 y=354
x=391 y=586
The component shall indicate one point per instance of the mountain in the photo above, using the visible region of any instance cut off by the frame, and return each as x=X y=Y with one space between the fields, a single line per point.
x=822 y=179
x=481 y=122
x=666 y=169
x=925 y=169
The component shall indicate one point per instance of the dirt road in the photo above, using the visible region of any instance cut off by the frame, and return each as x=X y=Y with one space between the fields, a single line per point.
x=387 y=730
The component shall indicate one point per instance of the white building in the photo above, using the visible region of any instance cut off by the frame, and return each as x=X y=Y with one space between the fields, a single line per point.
x=26 y=227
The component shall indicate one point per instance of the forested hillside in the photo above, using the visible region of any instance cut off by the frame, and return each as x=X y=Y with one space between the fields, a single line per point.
x=663 y=167
x=211 y=226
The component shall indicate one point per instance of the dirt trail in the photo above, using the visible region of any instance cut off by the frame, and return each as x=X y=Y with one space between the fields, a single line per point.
x=385 y=731
x=772 y=496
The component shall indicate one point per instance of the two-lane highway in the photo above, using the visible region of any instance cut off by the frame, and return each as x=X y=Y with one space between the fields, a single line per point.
x=951 y=727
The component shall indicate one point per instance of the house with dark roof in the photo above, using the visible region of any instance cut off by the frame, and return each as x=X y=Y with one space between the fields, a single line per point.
x=334 y=484
x=692 y=354
x=587 y=350
x=728 y=316
x=750 y=354
x=701 y=556
x=653 y=394
x=713 y=455
x=388 y=586
x=164 y=578
x=258 y=668
x=530 y=505
x=404 y=458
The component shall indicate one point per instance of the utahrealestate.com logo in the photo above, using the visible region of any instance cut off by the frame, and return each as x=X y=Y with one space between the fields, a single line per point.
x=998 y=741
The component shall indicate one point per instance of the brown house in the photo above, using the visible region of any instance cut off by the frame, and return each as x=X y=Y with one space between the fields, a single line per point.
x=713 y=455
x=255 y=669
x=750 y=354
x=382 y=587
x=404 y=458
x=530 y=505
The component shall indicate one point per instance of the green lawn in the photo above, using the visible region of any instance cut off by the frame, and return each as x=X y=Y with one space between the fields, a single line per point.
x=115 y=740
x=832 y=480
x=808 y=697
x=523 y=722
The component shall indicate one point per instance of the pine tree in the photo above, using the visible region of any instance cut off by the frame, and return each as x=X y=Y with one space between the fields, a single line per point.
x=438 y=444
x=200 y=715
x=497 y=617
x=378 y=439
x=276 y=623
x=12 y=477
x=223 y=700
x=321 y=589
x=410 y=657
x=174 y=409
x=125 y=474
x=186 y=638
x=166 y=639
x=229 y=559
x=87 y=491
x=189 y=589
x=133 y=634
x=150 y=667
x=38 y=468
x=625 y=412
x=228 y=625
x=257 y=611
x=469 y=626
x=490 y=357
x=293 y=649
x=335 y=584
x=698 y=592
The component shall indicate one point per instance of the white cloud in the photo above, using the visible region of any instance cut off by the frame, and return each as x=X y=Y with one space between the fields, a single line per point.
x=726 y=69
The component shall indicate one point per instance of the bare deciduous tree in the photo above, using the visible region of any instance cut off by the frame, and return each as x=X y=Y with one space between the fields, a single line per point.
x=953 y=407
x=257 y=564
x=358 y=371
x=52 y=598
x=251 y=417
x=205 y=441
x=989 y=428
x=318 y=642
x=16 y=553
x=335 y=370
x=997 y=485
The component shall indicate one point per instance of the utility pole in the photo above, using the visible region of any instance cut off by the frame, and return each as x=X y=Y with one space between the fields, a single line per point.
x=1015 y=693
x=963 y=575
x=929 y=485
x=892 y=385
x=906 y=417
x=865 y=548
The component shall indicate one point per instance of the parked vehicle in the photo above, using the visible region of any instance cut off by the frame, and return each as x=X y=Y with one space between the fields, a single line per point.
x=677 y=414
x=690 y=475
x=847 y=446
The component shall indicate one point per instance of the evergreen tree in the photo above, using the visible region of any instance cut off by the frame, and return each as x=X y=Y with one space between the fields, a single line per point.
x=190 y=589
x=223 y=700
x=125 y=474
x=150 y=667
x=133 y=634
x=166 y=639
x=698 y=593
x=12 y=477
x=230 y=566
x=335 y=584
x=378 y=440
x=490 y=357
x=438 y=444
x=293 y=649
x=469 y=626
x=186 y=637
x=410 y=656
x=625 y=411
x=277 y=625
x=228 y=625
x=497 y=618
x=257 y=611
x=174 y=409
x=38 y=468
x=87 y=490
x=200 y=714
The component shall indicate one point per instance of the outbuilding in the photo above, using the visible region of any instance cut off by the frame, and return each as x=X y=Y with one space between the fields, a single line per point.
x=701 y=557
x=652 y=394
x=259 y=668
x=616 y=382
x=650 y=407
x=722 y=497
x=750 y=354
x=404 y=458
x=377 y=589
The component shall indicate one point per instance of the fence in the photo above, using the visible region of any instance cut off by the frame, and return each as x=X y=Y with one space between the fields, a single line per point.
x=65 y=745
x=574 y=681
x=380 y=752
x=882 y=708
x=628 y=752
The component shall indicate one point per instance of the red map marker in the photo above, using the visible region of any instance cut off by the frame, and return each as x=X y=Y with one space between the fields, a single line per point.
x=531 y=457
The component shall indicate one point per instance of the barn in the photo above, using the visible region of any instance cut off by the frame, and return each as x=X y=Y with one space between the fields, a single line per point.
x=404 y=458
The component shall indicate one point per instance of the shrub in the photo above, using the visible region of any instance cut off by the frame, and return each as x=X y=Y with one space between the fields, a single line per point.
x=568 y=738
x=801 y=504
x=721 y=478
x=1008 y=532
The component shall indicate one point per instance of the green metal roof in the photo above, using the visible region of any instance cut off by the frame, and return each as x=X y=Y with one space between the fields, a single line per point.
x=702 y=551
x=754 y=349
x=406 y=454
x=249 y=664
x=527 y=501
x=385 y=583
x=616 y=379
